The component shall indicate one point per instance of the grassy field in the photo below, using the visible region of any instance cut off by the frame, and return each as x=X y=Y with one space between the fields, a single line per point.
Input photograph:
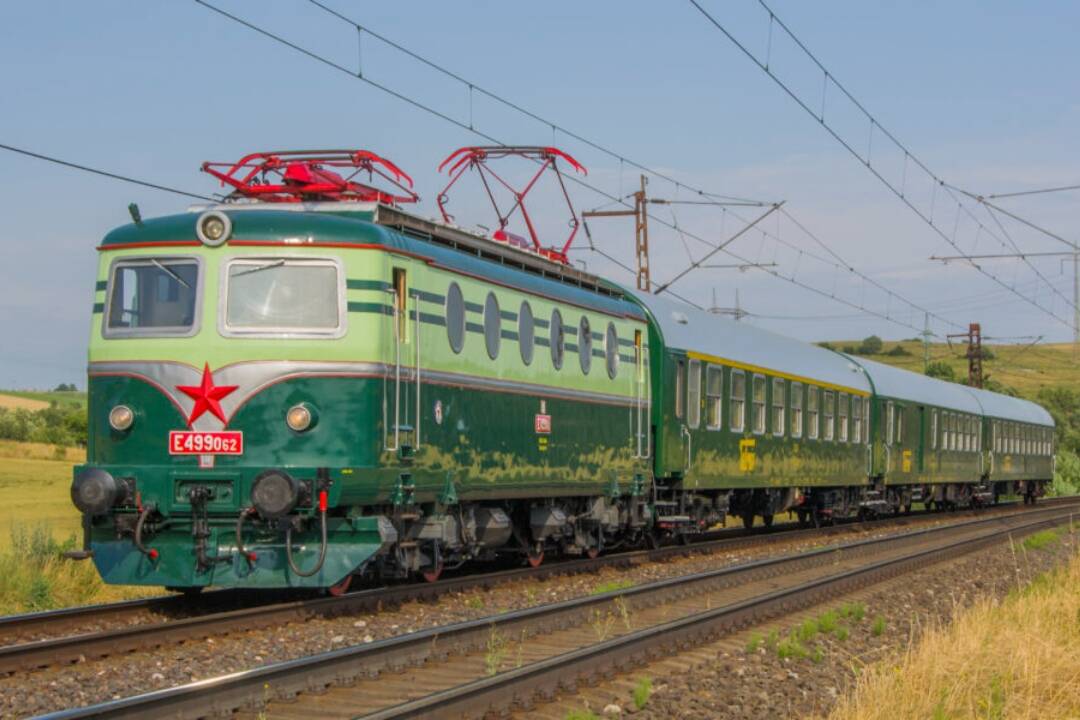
x=1025 y=368
x=1015 y=659
x=34 y=400
x=26 y=466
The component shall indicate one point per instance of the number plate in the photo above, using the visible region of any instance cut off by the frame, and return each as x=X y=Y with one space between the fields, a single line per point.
x=190 y=442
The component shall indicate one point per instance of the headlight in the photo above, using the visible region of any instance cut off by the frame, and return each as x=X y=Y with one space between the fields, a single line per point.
x=274 y=493
x=301 y=417
x=94 y=491
x=213 y=228
x=121 y=418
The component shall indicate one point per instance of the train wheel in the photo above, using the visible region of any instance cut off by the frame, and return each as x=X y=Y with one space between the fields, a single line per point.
x=341 y=588
x=767 y=520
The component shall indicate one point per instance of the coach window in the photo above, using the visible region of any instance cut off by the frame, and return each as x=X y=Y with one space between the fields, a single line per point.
x=778 y=406
x=828 y=415
x=584 y=345
x=856 y=419
x=757 y=409
x=866 y=424
x=714 y=396
x=557 y=339
x=844 y=401
x=693 y=394
x=995 y=443
x=492 y=325
x=890 y=427
x=680 y=388
x=812 y=395
x=796 y=409
x=455 y=317
x=899 y=424
x=933 y=430
x=737 y=408
x=611 y=350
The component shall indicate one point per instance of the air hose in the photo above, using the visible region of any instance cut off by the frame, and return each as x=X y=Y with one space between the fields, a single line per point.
x=148 y=552
x=244 y=514
x=322 y=547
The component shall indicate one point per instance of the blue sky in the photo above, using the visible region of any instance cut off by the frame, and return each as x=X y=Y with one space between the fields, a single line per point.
x=985 y=93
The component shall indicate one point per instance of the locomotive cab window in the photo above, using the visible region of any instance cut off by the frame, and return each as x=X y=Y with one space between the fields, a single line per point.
x=153 y=297
x=282 y=296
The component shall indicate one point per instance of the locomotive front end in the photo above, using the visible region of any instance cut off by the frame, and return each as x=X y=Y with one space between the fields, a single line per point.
x=236 y=404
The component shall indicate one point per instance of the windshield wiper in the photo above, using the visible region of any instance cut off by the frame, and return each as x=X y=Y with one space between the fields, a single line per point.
x=260 y=268
x=170 y=273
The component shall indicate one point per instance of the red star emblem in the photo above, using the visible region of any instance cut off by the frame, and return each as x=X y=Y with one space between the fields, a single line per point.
x=206 y=396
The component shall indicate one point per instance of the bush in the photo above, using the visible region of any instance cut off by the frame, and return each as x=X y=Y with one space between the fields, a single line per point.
x=941 y=371
x=54 y=425
x=897 y=351
x=871 y=346
x=1066 y=474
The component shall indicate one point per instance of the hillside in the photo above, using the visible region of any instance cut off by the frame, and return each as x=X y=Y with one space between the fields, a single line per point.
x=1023 y=368
x=39 y=400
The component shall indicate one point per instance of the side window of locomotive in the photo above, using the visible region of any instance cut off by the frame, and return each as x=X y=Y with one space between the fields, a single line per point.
x=611 y=350
x=153 y=297
x=492 y=325
x=693 y=394
x=584 y=345
x=737 y=408
x=812 y=396
x=778 y=407
x=828 y=415
x=714 y=396
x=291 y=296
x=757 y=409
x=526 y=332
x=557 y=339
x=680 y=388
x=455 y=318
x=796 y=409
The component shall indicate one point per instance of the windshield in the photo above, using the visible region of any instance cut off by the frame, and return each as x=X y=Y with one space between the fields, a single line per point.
x=283 y=295
x=153 y=296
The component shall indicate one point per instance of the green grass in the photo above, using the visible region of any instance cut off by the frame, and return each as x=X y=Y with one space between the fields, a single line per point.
x=64 y=399
x=583 y=714
x=878 y=627
x=36 y=493
x=754 y=642
x=642 y=692
x=1041 y=539
x=853 y=611
x=611 y=586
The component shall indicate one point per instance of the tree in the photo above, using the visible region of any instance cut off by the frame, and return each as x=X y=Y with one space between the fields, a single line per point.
x=941 y=371
x=897 y=351
x=871 y=345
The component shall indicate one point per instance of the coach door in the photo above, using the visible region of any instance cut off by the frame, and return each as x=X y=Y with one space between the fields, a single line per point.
x=641 y=422
x=920 y=450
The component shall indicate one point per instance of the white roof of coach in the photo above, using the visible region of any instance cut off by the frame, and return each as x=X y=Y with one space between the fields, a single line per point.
x=1007 y=407
x=687 y=328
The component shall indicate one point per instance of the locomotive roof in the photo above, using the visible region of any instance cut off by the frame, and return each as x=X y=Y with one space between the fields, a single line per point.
x=742 y=344
x=901 y=384
x=1006 y=407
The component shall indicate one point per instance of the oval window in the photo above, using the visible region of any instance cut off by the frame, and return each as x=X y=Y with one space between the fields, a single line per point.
x=525 y=333
x=611 y=350
x=455 y=317
x=585 y=345
x=556 y=339
x=492 y=325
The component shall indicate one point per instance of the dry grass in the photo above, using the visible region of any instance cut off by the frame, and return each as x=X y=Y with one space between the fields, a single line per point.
x=40 y=451
x=13 y=402
x=1023 y=367
x=1016 y=659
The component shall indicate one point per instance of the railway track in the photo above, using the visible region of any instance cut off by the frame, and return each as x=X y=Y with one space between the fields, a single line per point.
x=508 y=660
x=41 y=640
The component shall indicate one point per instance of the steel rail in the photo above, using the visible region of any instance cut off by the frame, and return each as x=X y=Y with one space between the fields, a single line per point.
x=249 y=689
x=36 y=654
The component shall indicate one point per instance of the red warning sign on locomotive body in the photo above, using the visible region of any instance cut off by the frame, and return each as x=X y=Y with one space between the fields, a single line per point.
x=543 y=424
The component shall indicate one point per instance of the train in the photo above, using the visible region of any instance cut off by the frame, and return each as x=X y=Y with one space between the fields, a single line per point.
x=306 y=384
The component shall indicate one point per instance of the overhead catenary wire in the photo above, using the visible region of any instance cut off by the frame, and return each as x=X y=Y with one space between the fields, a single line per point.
x=104 y=173
x=819 y=116
x=473 y=129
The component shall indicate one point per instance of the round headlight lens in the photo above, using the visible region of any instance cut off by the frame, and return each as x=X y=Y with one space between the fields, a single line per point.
x=121 y=418
x=274 y=493
x=300 y=417
x=213 y=228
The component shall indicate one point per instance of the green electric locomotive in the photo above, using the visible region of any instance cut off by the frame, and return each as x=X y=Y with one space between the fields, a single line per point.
x=306 y=383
